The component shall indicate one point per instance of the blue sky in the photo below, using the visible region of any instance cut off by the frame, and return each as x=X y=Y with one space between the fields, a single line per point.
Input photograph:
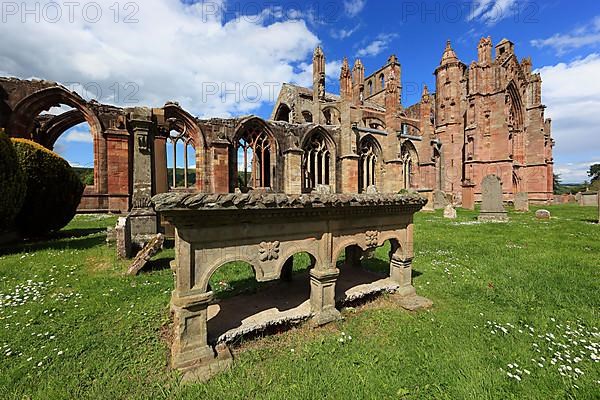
x=193 y=52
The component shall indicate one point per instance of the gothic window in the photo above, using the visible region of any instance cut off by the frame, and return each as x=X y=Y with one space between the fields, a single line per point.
x=283 y=113
x=327 y=115
x=369 y=154
x=179 y=157
x=382 y=80
x=316 y=162
x=307 y=116
x=370 y=88
x=409 y=160
x=254 y=152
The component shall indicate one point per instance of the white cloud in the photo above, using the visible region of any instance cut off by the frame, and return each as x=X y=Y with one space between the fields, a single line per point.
x=343 y=33
x=587 y=35
x=374 y=48
x=354 y=7
x=78 y=135
x=332 y=73
x=491 y=11
x=572 y=93
x=575 y=172
x=176 y=51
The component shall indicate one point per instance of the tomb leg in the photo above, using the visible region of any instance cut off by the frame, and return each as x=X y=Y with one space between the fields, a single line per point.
x=190 y=351
x=401 y=273
x=322 y=295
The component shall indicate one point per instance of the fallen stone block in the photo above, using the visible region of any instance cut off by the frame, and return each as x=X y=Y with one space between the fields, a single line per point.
x=150 y=250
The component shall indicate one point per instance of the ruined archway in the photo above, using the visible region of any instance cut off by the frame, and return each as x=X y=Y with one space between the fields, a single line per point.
x=283 y=113
x=410 y=165
x=369 y=167
x=29 y=121
x=253 y=157
x=318 y=160
x=180 y=152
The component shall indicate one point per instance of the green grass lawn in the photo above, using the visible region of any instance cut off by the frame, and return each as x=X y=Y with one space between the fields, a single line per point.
x=515 y=316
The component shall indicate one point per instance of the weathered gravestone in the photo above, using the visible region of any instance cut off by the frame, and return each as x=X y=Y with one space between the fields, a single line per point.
x=522 y=201
x=492 y=208
x=598 y=207
x=123 y=238
x=450 y=212
x=154 y=246
x=439 y=200
x=542 y=214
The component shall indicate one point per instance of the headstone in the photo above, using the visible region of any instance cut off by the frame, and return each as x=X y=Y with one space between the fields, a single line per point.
x=598 y=198
x=492 y=208
x=439 y=200
x=143 y=256
x=522 y=201
x=542 y=214
x=111 y=236
x=450 y=212
x=372 y=189
x=323 y=189
x=123 y=236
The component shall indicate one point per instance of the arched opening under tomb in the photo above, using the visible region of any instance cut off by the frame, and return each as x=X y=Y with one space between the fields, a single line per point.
x=283 y=113
x=255 y=151
x=369 y=167
x=365 y=272
x=318 y=160
x=248 y=308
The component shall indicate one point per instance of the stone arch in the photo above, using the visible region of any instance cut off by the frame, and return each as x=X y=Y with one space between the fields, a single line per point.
x=283 y=113
x=23 y=120
x=318 y=159
x=254 y=137
x=284 y=268
x=410 y=165
x=307 y=115
x=190 y=134
x=203 y=281
x=341 y=246
x=370 y=161
x=58 y=125
x=514 y=107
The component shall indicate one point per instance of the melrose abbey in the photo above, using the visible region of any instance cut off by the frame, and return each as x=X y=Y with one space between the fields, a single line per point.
x=483 y=118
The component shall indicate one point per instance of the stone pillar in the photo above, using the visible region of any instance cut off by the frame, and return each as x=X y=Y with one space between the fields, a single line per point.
x=143 y=218
x=292 y=171
x=392 y=183
x=322 y=295
x=160 y=164
x=468 y=196
x=220 y=167
x=401 y=273
x=349 y=174
x=428 y=194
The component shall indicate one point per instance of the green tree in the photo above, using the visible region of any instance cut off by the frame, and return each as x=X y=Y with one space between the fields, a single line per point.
x=558 y=189
x=594 y=172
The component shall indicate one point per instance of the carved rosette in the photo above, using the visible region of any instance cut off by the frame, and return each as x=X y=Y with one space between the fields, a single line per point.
x=268 y=251
x=371 y=238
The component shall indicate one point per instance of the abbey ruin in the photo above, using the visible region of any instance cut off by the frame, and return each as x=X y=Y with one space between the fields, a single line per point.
x=484 y=118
